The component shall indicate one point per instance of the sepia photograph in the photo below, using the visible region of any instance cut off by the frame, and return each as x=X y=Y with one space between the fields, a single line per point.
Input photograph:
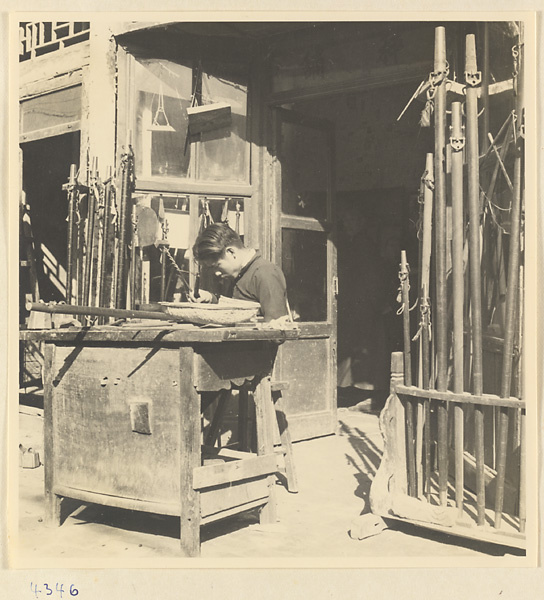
x=276 y=292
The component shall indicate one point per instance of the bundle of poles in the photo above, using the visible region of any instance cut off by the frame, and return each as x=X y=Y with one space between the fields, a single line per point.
x=447 y=412
x=100 y=236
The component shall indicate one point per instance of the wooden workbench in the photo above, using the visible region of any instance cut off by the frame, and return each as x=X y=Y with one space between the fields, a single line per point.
x=123 y=420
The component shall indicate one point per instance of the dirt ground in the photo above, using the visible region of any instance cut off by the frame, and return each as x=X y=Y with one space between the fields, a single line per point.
x=334 y=476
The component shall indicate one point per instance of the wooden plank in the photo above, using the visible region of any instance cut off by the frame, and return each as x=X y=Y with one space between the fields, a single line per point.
x=189 y=455
x=218 y=367
x=95 y=388
x=37 y=88
x=305 y=366
x=182 y=186
x=223 y=514
x=212 y=452
x=467 y=530
x=159 y=508
x=164 y=333
x=304 y=223
x=464 y=398
x=391 y=478
x=40 y=134
x=233 y=498
x=39 y=73
x=233 y=471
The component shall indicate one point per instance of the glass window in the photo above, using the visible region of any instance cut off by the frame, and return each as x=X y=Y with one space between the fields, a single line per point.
x=224 y=152
x=305 y=269
x=304 y=171
x=163 y=93
x=164 y=144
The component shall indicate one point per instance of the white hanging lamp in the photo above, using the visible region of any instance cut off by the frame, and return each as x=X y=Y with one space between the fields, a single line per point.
x=160 y=120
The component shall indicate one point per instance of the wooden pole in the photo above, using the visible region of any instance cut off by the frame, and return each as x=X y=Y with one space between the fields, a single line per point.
x=441 y=311
x=427 y=225
x=97 y=311
x=426 y=245
x=133 y=255
x=472 y=80
x=96 y=271
x=108 y=244
x=164 y=247
x=80 y=246
x=70 y=236
x=485 y=89
x=405 y=291
x=457 y=143
x=512 y=290
x=440 y=205
x=124 y=212
x=89 y=244
x=409 y=408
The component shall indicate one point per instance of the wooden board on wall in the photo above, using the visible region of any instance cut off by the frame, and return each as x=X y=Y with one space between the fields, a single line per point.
x=309 y=404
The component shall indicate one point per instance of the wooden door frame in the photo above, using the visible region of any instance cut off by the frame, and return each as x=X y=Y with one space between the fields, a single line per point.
x=326 y=330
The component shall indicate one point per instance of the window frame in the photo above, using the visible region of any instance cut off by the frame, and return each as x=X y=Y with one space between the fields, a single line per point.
x=183 y=185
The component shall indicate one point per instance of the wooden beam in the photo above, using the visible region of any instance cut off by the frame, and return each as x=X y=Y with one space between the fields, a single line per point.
x=234 y=470
x=465 y=398
x=372 y=79
x=40 y=134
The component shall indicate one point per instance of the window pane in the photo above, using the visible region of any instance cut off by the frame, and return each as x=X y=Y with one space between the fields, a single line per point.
x=163 y=93
x=305 y=267
x=224 y=151
x=304 y=171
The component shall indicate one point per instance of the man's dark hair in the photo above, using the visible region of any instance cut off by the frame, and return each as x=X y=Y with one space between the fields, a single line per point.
x=214 y=240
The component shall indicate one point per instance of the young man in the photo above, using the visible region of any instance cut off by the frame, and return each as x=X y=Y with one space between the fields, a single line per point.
x=251 y=277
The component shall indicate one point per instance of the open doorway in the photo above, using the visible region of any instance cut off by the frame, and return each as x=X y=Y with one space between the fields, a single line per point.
x=43 y=241
x=378 y=168
x=46 y=168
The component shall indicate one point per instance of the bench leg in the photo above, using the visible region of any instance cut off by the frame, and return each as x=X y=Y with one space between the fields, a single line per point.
x=264 y=416
x=243 y=419
x=53 y=506
x=287 y=447
x=189 y=457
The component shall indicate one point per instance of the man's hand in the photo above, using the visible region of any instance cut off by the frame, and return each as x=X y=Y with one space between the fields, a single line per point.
x=204 y=297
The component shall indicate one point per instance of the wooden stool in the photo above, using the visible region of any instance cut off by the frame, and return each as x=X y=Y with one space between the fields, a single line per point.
x=273 y=391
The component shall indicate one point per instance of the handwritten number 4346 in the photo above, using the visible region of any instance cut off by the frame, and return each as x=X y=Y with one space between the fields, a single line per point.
x=48 y=591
